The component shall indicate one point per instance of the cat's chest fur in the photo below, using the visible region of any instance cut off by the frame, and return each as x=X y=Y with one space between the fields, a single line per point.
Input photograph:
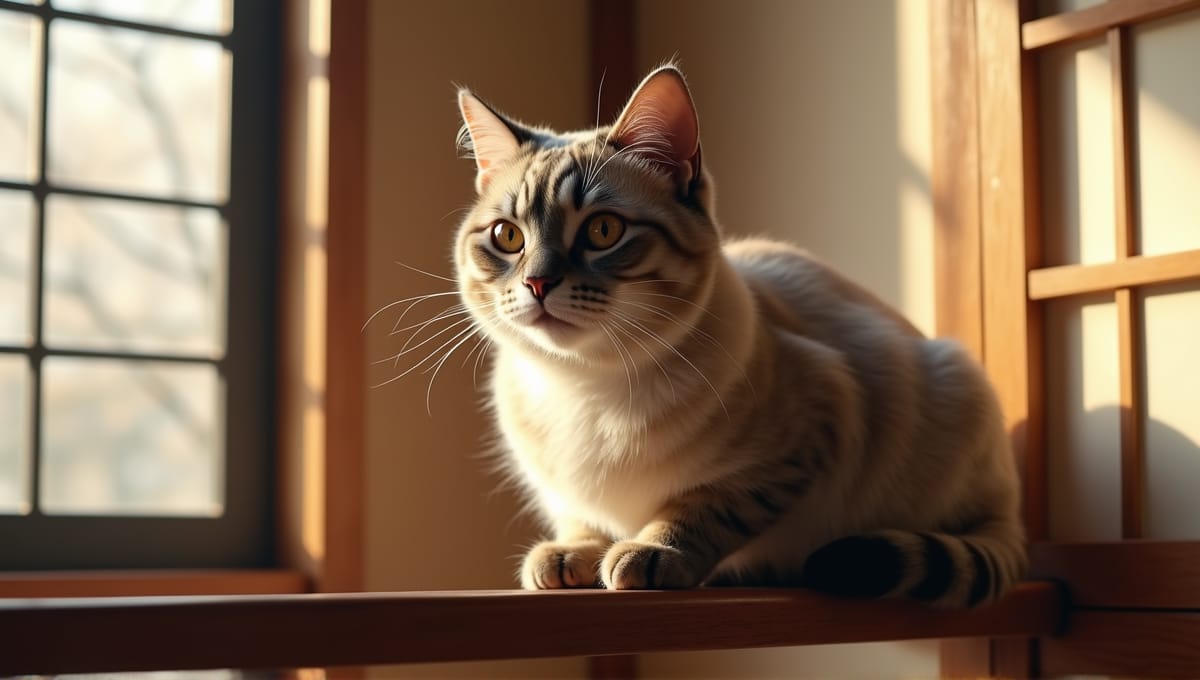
x=591 y=447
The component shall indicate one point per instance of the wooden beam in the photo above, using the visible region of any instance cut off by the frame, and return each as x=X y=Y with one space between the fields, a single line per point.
x=1129 y=342
x=300 y=631
x=346 y=243
x=156 y=582
x=1081 y=279
x=1095 y=20
x=1125 y=574
x=1129 y=644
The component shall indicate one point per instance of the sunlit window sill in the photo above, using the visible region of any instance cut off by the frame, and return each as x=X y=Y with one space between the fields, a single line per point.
x=156 y=582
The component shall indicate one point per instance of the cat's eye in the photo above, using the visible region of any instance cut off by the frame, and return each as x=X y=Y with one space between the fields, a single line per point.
x=604 y=230
x=507 y=237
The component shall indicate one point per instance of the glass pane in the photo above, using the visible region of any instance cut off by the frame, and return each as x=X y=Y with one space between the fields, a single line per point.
x=20 y=47
x=14 y=439
x=125 y=437
x=1172 y=324
x=1168 y=133
x=16 y=249
x=129 y=276
x=135 y=112
x=1083 y=439
x=204 y=16
x=1076 y=154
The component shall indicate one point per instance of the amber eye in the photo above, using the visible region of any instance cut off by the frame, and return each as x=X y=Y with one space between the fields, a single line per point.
x=507 y=237
x=604 y=230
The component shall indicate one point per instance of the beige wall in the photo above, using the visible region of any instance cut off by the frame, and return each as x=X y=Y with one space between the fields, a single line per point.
x=814 y=119
x=433 y=521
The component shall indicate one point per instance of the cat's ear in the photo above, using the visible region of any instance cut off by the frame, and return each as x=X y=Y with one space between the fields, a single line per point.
x=486 y=135
x=659 y=124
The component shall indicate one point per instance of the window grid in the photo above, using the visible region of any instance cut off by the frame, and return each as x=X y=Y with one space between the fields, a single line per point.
x=1129 y=271
x=42 y=188
x=242 y=535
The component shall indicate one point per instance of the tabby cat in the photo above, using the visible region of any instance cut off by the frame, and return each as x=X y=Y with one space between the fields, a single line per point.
x=683 y=410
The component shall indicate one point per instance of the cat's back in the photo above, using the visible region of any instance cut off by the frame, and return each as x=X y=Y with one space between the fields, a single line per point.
x=799 y=292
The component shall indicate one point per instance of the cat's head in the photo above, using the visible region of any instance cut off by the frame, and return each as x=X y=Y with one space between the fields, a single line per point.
x=595 y=245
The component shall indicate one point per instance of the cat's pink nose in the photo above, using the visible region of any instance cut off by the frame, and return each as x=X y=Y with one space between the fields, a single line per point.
x=541 y=285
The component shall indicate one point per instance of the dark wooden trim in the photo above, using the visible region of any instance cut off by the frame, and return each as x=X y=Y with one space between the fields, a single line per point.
x=346 y=245
x=1130 y=644
x=612 y=54
x=302 y=631
x=1095 y=20
x=1124 y=574
x=155 y=582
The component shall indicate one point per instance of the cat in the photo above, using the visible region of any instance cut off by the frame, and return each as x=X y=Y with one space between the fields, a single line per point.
x=684 y=410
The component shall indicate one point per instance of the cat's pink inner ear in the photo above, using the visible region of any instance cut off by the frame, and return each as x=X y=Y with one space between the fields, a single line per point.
x=492 y=142
x=659 y=124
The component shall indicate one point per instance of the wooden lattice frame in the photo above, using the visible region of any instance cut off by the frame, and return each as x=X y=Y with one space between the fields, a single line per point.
x=993 y=282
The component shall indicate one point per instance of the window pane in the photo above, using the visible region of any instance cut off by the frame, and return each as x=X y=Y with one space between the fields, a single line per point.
x=14 y=439
x=135 y=112
x=20 y=41
x=16 y=248
x=125 y=437
x=205 y=16
x=1168 y=133
x=129 y=276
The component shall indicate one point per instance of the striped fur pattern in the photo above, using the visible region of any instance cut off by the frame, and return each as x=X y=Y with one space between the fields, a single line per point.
x=683 y=410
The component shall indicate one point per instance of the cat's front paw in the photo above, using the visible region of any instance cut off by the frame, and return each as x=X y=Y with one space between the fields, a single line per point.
x=631 y=565
x=552 y=565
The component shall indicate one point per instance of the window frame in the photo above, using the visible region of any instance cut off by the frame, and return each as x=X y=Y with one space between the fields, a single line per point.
x=243 y=535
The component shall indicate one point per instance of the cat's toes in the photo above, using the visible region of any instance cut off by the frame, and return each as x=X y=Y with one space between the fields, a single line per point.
x=556 y=565
x=630 y=565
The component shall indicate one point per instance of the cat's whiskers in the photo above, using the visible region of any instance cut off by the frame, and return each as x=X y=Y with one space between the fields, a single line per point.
x=650 y=354
x=676 y=297
x=638 y=325
x=648 y=149
x=628 y=379
x=416 y=299
x=422 y=271
x=405 y=349
x=695 y=332
x=444 y=314
x=473 y=328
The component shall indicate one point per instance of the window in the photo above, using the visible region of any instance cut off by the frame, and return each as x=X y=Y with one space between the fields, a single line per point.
x=137 y=223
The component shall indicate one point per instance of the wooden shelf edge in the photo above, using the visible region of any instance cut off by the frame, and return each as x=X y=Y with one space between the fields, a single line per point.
x=130 y=583
x=51 y=636
x=1131 y=574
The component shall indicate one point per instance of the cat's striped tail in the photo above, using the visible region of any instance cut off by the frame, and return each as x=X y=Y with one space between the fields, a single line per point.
x=947 y=570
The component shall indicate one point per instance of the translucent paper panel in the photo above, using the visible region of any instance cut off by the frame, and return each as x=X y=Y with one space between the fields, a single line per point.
x=16 y=251
x=1166 y=54
x=14 y=434
x=1077 y=154
x=20 y=49
x=135 y=112
x=204 y=16
x=129 y=276
x=124 y=437
x=1083 y=419
x=1172 y=334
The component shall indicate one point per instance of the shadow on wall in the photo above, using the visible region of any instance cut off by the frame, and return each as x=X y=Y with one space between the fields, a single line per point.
x=1084 y=483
